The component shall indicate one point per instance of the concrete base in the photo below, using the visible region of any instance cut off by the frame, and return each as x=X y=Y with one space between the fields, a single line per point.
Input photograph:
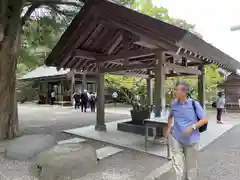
x=119 y=138
x=133 y=128
x=100 y=127
x=136 y=142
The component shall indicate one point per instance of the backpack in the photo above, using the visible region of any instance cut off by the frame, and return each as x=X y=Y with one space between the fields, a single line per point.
x=203 y=127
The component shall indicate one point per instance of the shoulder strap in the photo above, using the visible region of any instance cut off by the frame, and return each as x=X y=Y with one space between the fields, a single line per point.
x=194 y=108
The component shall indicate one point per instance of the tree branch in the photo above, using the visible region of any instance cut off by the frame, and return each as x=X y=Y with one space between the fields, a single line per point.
x=55 y=2
x=51 y=3
x=61 y=12
x=27 y=15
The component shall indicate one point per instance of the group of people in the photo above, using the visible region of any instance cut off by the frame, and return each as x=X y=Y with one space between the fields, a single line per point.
x=84 y=99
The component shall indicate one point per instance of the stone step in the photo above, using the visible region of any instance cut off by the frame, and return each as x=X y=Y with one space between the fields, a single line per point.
x=71 y=141
x=107 y=151
x=101 y=153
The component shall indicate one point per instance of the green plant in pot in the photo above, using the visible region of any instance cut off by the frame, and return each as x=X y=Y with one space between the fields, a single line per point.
x=140 y=108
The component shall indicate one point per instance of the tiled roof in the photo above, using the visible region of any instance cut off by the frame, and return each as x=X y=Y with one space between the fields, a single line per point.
x=44 y=71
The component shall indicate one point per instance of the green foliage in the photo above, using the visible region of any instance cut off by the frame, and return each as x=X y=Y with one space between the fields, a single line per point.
x=40 y=35
x=131 y=91
x=127 y=3
x=147 y=7
x=184 y=25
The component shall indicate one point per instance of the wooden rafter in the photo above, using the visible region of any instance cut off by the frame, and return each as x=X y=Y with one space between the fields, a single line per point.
x=145 y=35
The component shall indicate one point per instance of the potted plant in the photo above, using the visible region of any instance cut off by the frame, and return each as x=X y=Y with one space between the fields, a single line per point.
x=140 y=108
x=139 y=112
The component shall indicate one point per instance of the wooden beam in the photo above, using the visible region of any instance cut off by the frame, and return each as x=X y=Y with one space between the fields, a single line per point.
x=86 y=54
x=183 y=69
x=197 y=64
x=144 y=35
x=129 y=55
x=129 y=67
x=130 y=74
x=175 y=67
x=121 y=56
x=115 y=44
x=113 y=26
x=177 y=75
x=145 y=44
x=184 y=61
x=69 y=50
x=81 y=63
x=182 y=54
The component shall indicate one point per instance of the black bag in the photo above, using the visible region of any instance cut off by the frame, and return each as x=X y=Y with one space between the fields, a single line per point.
x=214 y=104
x=203 y=127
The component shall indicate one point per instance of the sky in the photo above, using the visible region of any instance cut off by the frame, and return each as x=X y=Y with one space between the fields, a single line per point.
x=213 y=19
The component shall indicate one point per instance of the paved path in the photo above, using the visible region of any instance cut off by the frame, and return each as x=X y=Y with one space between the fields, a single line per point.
x=221 y=159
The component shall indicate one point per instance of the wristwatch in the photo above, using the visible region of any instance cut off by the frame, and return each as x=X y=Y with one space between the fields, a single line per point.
x=194 y=127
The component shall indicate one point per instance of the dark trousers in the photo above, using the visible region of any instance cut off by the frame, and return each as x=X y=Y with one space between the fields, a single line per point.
x=219 y=113
x=52 y=100
x=92 y=105
x=84 y=106
x=77 y=104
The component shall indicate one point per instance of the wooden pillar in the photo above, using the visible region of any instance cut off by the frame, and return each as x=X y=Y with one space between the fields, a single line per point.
x=201 y=88
x=84 y=81
x=149 y=89
x=72 y=91
x=46 y=91
x=159 y=85
x=100 y=123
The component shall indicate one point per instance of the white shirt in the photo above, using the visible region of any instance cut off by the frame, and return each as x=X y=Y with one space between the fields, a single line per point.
x=52 y=94
x=89 y=96
x=220 y=102
x=115 y=95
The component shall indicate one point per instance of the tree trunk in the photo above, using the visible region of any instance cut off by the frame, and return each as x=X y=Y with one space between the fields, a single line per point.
x=10 y=12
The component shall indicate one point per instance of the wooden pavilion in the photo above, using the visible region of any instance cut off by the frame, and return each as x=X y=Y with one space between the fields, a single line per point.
x=231 y=87
x=62 y=82
x=106 y=37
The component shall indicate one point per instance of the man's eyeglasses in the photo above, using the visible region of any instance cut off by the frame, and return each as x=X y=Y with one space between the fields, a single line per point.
x=180 y=89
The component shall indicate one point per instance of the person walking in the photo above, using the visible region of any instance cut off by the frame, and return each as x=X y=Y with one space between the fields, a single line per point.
x=220 y=105
x=92 y=101
x=77 y=100
x=52 y=97
x=115 y=96
x=84 y=100
x=185 y=118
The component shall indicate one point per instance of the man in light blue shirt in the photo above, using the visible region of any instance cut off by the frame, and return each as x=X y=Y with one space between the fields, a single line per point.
x=185 y=133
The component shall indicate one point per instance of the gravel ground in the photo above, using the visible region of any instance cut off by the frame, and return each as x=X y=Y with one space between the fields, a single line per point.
x=221 y=159
x=36 y=119
x=127 y=165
